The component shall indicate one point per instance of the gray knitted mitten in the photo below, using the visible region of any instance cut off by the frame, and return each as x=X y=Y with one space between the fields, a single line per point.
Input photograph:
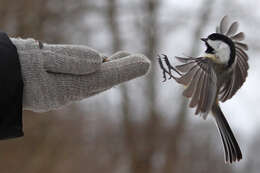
x=56 y=75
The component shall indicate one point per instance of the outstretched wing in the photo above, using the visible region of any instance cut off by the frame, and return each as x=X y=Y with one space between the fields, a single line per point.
x=240 y=65
x=199 y=77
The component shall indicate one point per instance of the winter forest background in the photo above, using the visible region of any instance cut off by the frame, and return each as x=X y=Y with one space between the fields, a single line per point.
x=142 y=126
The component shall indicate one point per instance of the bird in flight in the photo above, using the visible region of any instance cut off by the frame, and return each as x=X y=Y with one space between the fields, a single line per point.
x=214 y=77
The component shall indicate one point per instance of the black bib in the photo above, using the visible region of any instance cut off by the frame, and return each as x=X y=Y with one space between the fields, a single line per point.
x=11 y=90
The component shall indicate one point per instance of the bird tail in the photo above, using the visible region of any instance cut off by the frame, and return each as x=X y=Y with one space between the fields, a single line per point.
x=231 y=147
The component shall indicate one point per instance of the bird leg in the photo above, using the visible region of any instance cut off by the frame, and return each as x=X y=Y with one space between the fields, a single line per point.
x=162 y=67
x=170 y=67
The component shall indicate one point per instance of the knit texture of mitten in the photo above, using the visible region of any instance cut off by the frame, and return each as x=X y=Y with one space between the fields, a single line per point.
x=56 y=75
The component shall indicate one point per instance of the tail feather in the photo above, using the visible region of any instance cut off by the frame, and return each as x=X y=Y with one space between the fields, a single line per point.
x=231 y=147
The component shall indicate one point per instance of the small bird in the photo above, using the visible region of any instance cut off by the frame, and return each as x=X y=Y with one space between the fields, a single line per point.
x=215 y=76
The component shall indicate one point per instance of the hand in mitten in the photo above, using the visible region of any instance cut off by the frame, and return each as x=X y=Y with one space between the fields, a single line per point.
x=56 y=75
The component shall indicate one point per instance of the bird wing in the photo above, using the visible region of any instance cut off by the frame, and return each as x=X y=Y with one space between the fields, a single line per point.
x=200 y=79
x=240 y=65
x=238 y=76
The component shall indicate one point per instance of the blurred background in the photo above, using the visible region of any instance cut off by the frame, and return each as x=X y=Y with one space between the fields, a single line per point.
x=142 y=126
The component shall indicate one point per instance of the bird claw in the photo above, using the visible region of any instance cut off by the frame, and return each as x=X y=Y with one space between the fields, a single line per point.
x=164 y=80
x=170 y=67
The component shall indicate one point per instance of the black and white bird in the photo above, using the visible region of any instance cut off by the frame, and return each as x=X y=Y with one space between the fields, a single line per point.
x=213 y=77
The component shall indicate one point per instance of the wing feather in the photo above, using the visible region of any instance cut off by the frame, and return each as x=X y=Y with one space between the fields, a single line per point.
x=238 y=37
x=201 y=94
x=211 y=93
x=185 y=67
x=241 y=45
x=186 y=78
x=184 y=60
x=242 y=53
x=243 y=67
x=200 y=79
x=224 y=25
x=192 y=85
x=195 y=98
x=238 y=76
x=239 y=69
x=232 y=29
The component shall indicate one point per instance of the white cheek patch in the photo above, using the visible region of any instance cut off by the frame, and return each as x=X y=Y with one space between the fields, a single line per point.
x=214 y=44
x=223 y=53
x=222 y=50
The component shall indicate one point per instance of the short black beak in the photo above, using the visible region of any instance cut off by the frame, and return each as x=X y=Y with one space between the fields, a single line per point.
x=204 y=39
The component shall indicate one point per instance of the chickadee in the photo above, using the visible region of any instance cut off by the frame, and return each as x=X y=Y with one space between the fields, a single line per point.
x=213 y=77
